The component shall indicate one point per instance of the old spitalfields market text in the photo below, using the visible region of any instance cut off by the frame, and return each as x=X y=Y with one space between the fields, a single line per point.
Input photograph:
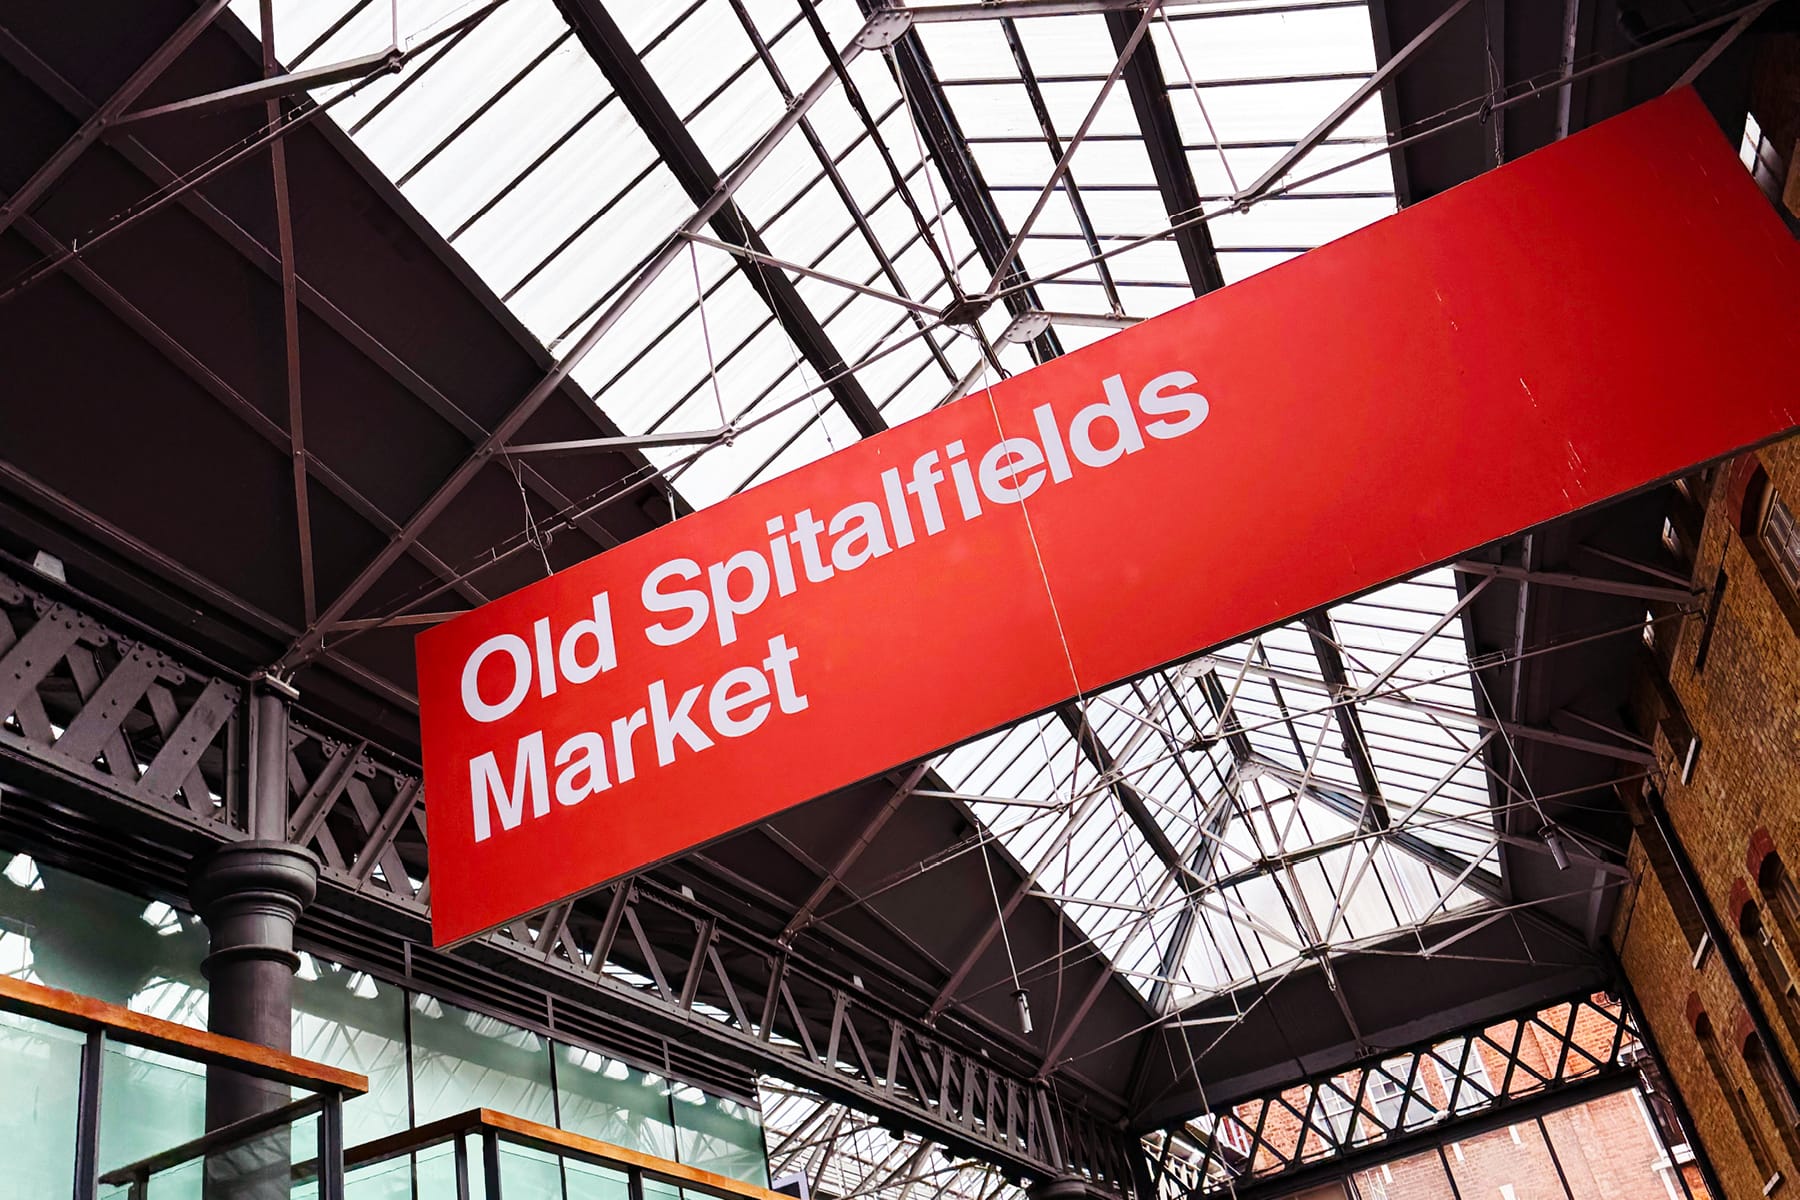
x=943 y=488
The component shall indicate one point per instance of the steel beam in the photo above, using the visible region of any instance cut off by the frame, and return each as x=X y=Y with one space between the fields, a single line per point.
x=781 y=264
x=268 y=261
x=1134 y=805
x=272 y=89
x=804 y=914
x=624 y=69
x=309 y=642
x=290 y=324
x=1139 y=28
x=1399 y=699
x=1040 y=107
x=1148 y=88
x=360 y=811
x=1721 y=44
x=190 y=365
x=704 y=437
x=1354 y=101
x=1349 y=723
x=108 y=112
x=1531 y=1062
x=949 y=150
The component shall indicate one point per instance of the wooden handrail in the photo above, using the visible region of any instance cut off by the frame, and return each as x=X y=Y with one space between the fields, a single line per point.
x=85 y=1013
x=213 y=1140
x=518 y=1129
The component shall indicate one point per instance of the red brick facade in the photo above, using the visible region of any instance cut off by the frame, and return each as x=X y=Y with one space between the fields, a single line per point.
x=1606 y=1149
x=1737 y=816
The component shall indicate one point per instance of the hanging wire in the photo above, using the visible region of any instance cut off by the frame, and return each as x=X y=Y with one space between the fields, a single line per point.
x=1193 y=87
x=532 y=532
x=949 y=251
x=815 y=384
x=712 y=372
x=1006 y=941
x=1496 y=86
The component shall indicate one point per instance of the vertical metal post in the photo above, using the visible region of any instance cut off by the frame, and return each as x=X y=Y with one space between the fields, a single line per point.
x=1555 y=1159
x=490 y=1164
x=331 y=1148
x=1449 y=1175
x=87 y=1117
x=250 y=894
x=462 y=1166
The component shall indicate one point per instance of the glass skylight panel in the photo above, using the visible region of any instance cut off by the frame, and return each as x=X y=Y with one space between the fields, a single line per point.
x=464 y=78
x=1358 y=167
x=1313 y=40
x=1297 y=224
x=842 y=1152
x=510 y=142
x=473 y=161
x=647 y=324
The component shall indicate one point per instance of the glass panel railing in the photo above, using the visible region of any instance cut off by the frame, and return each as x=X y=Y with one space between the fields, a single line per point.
x=275 y=1156
x=486 y=1155
x=97 y=1100
x=39 y=1104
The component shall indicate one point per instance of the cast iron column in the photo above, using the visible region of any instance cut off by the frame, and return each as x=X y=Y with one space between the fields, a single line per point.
x=250 y=894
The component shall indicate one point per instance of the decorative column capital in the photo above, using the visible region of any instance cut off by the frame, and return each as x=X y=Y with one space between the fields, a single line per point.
x=251 y=894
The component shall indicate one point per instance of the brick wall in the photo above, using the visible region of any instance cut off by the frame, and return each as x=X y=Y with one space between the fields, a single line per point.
x=1605 y=1147
x=1743 y=705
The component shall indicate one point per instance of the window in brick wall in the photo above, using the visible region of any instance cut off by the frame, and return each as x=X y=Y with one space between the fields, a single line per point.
x=1772 y=537
x=1335 y=1115
x=1674 y=887
x=1775 y=1098
x=1714 y=600
x=1659 y=1105
x=1772 y=964
x=1781 y=538
x=1781 y=899
x=1463 y=1075
x=1735 y=1100
x=1389 y=1095
x=1763 y=159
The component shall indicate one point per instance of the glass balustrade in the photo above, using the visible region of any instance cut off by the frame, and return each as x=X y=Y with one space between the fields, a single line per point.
x=100 y=1101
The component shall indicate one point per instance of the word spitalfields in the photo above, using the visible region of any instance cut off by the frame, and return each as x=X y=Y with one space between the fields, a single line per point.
x=941 y=487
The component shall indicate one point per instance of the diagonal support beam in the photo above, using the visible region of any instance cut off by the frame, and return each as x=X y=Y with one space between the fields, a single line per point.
x=1128 y=797
x=804 y=914
x=1354 y=101
x=1349 y=722
x=309 y=642
x=276 y=87
x=1662 y=594
x=949 y=150
x=45 y=176
x=1723 y=43
x=1147 y=86
x=1139 y=28
x=704 y=437
x=624 y=69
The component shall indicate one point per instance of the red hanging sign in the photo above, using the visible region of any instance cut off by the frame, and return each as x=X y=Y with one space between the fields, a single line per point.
x=1574 y=325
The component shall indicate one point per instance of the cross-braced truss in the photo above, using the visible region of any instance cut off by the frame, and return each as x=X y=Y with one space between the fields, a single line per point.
x=1486 y=1075
x=825 y=1149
